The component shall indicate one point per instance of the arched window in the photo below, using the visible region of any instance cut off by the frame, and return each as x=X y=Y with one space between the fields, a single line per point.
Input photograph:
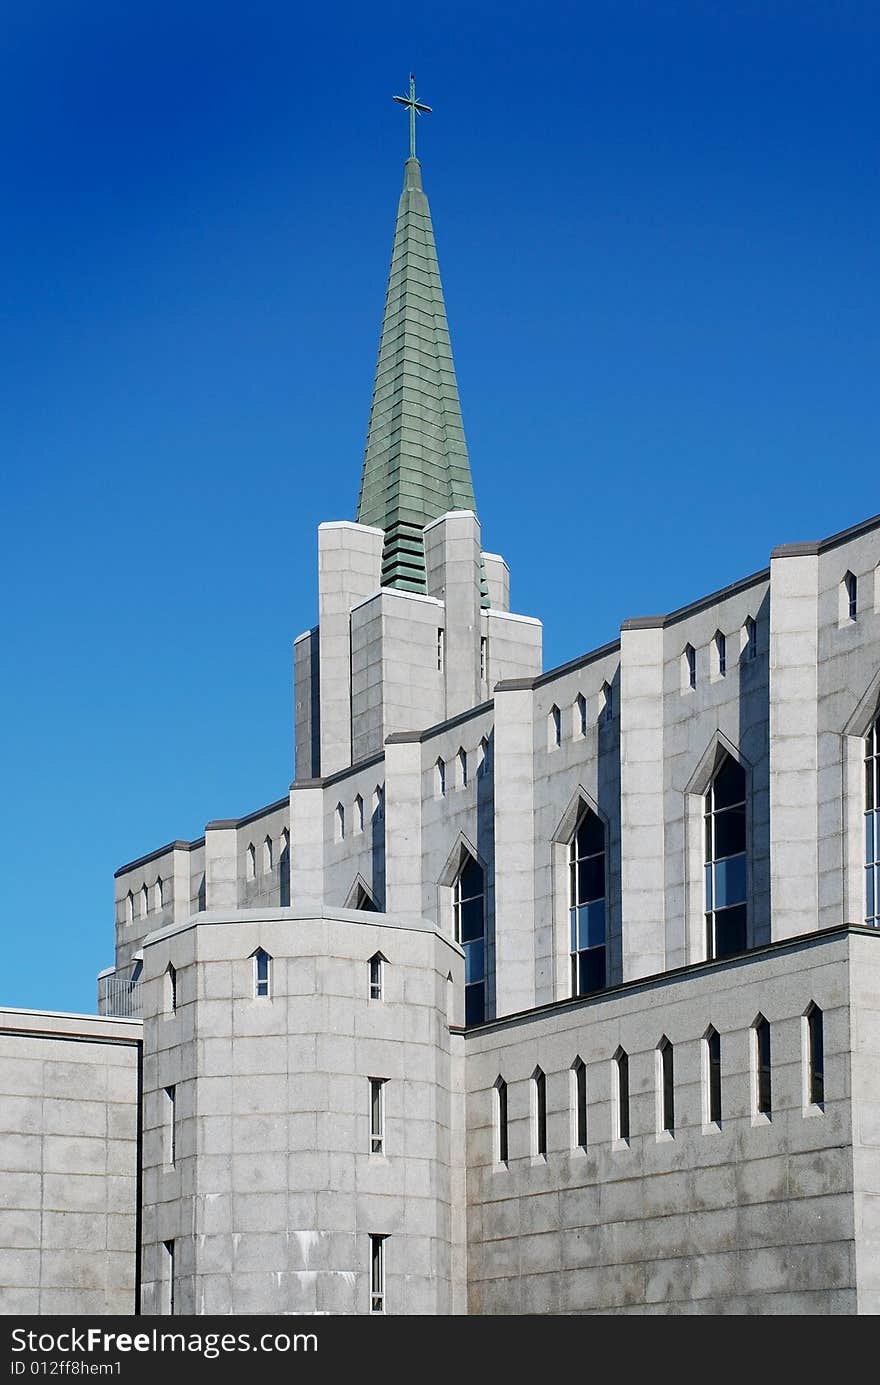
x=554 y=728
x=440 y=777
x=145 y=901
x=250 y=865
x=358 y=813
x=129 y=907
x=580 y=715
x=284 y=869
x=159 y=894
x=586 y=875
x=268 y=853
x=872 y=826
x=725 y=870
x=339 y=822
x=262 y=973
x=462 y=768
x=170 y=989
x=469 y=907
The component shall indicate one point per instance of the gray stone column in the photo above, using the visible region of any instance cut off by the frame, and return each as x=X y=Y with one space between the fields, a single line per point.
x=307 y=843
x=642 y=844
x=514 y=768
x=452 y=564
x=349 y=569
x=221 y=874
x=181 y=883
x=403 y=824
x=794 y=739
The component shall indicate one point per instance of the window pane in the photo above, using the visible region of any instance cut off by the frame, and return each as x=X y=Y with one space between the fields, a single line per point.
x=730 y=783
x=471 y=920
x=591 y=925
x=730 y=832
x=591 y=971
x=474 y=961
x=471 y=879
x=590 y=835
x=730 y=931
x=730 y=881
x=475 y=1004
x=591 y=878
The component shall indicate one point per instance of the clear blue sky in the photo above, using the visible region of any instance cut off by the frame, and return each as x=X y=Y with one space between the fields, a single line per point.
x=658 y=229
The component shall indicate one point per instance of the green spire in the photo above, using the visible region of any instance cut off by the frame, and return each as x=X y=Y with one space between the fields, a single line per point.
x=416 y=463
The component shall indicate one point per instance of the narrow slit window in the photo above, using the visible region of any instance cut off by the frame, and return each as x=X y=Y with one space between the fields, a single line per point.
x=376 y=978
x=250 y=865
x=440 y=777
x=462 y=768
x=690 y=666
x=501 y=1120
x=539 y=1100
x=171 y=1125
x=377 y=1274
x=621 y=1066
x=262 y=973
x=268 y=855
x=721 y=653
x=145 y=901
x=851 y=595
x=129 y=907
x=358 y=813
x=751 y=638
x=666 y=1074
x=607 y=710
x=340 y=822
x=579 y=1084
x=763 y=1074
x=872 y=826
x=483 y=647
x=169 y=1277
x=554 y=727
x=377 y=1115
x=713 y=1076
x=441 y=645
x=816 y=1055
x=580 y=715
x=159 y=894
x=170 y=989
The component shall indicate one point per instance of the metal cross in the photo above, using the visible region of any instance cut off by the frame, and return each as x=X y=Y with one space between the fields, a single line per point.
x=414 y=106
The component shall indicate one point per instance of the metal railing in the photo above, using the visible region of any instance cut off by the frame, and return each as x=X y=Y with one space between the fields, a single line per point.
x=119 y=997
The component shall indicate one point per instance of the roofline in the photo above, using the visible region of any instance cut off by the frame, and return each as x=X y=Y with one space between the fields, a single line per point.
x=676 y=974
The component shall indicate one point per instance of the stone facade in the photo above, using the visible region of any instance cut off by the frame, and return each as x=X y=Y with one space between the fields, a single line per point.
x=646 y=1120
x=69 y=1162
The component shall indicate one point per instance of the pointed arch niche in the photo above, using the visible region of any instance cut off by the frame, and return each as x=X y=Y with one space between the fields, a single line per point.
x=568 y=918
x=854 y=750
x=464 y=913
x=697 y=931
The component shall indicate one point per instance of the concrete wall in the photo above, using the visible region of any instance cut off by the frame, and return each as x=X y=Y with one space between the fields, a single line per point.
x=753 y=1215
x=274 y=1192
x=68 y=1163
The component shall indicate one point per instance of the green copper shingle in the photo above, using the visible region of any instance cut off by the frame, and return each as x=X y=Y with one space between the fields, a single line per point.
x=416 y=463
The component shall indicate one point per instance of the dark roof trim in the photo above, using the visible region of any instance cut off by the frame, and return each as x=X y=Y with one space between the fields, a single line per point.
x=855 y=531
x=410 y=737
x=155 y=855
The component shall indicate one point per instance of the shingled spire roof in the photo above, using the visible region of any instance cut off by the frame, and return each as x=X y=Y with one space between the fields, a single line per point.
x=416 y=463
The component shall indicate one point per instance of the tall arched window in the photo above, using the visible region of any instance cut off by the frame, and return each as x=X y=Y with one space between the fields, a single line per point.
x=469 y=906
x=586 y=874
x=725 y=837
x=872 y=826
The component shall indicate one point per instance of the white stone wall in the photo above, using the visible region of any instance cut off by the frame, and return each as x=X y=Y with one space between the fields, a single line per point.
x=752 y=1216
x=274 y=1192
x=68 y=1163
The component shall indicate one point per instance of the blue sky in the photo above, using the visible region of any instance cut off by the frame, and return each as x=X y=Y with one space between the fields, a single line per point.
x=657 y=225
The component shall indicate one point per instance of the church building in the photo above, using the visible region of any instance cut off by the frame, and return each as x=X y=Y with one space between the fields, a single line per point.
x=538 y=991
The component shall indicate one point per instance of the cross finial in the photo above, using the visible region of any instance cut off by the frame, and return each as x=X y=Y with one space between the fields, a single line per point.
x=414 y=106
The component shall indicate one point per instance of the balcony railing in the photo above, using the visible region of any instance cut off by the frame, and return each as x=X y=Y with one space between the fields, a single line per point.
x=119 y=997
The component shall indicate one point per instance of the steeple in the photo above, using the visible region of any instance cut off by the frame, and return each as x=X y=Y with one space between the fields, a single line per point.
x=416 y=463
